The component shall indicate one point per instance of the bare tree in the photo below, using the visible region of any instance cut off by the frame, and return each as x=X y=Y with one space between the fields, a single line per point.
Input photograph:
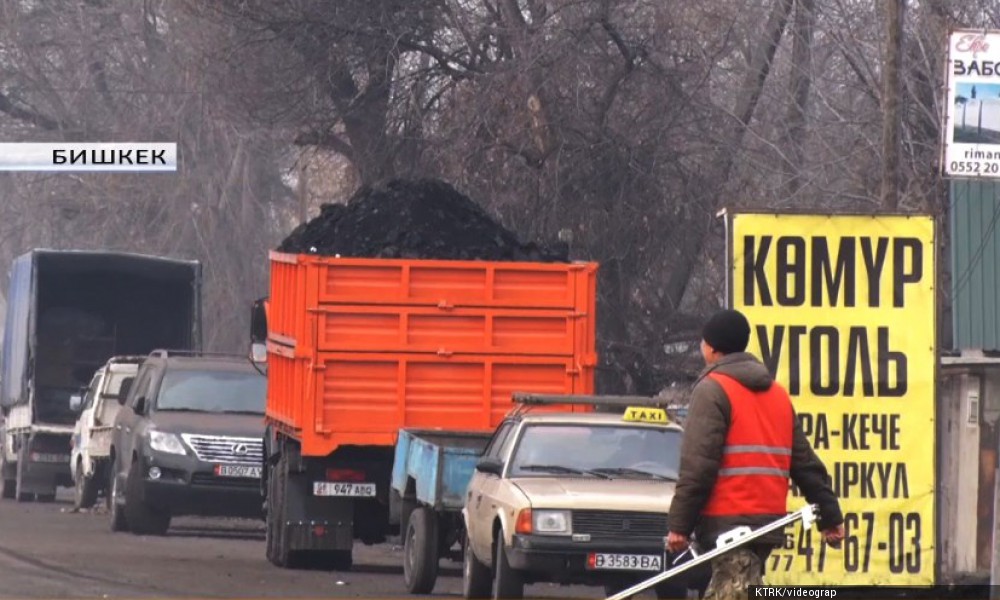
x=115 y=71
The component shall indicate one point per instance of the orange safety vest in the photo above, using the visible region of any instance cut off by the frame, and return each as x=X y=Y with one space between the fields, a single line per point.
x=753 y=477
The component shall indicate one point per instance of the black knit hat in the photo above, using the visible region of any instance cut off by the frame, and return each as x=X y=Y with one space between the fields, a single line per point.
x=728 y=331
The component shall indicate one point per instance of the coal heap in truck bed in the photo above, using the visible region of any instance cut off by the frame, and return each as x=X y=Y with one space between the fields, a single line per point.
x=420 y=219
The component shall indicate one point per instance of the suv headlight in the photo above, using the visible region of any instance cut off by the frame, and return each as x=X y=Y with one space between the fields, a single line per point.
x=552 y=522
x=166 y=442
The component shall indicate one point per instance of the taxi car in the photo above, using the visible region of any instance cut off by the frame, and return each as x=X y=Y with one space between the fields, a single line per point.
x=574 y=498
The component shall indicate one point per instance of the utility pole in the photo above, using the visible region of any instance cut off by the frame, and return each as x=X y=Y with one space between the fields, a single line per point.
x=892 y=92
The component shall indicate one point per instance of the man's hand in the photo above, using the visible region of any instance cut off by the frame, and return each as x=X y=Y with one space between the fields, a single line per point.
x=834 y=535
x=677 y=542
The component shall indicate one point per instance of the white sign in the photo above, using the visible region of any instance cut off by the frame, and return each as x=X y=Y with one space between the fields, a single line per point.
x=107 y=157
x=972 y=109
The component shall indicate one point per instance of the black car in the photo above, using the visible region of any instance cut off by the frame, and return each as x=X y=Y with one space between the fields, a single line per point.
x=187 y=441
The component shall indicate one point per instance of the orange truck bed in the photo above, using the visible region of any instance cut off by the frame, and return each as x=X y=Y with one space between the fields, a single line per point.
x=359 y=348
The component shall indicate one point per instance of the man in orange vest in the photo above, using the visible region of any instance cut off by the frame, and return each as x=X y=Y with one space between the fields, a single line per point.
x=741 y=445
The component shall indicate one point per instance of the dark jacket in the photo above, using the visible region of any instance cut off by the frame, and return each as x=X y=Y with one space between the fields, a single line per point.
x=705 y=431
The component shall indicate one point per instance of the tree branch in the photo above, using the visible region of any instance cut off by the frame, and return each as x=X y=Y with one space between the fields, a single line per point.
x=443 y=59
x=27 y=115
x=325 y=140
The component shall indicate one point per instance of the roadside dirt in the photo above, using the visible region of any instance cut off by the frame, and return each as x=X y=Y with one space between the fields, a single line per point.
x=47 y=551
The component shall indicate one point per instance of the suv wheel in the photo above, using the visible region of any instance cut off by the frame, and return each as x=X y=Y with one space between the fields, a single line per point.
x=116 y=508
x=142 y=518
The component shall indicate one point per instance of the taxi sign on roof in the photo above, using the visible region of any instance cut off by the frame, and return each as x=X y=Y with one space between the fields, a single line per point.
x=642 y=414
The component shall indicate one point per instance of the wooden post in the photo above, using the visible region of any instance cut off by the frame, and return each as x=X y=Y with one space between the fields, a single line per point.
x=892 y=91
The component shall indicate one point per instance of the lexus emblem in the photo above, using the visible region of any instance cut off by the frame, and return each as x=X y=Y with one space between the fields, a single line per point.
x=240 y=449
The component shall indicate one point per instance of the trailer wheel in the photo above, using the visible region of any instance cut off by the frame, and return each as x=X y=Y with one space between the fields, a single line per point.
x=84 y=490
x=420 y=551
x=475 y=575
x=142 y=518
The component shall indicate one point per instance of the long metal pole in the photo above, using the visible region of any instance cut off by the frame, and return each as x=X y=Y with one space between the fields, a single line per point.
x=726 y=542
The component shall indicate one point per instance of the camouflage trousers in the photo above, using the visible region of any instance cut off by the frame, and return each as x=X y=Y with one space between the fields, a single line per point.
x=735 y=571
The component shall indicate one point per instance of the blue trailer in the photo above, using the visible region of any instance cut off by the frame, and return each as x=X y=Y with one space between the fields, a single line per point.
x=430 y=474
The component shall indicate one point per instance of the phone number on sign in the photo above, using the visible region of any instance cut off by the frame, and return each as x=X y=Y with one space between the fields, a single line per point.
x=898 y=537
x=974 y=167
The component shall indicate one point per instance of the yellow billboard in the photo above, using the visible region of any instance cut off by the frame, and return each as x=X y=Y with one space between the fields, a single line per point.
x=842 y=310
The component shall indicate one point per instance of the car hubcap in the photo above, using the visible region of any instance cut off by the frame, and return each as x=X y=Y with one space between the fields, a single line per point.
x=410 y=540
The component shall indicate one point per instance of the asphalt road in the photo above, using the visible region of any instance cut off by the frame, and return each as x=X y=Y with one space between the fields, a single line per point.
x=47 y=551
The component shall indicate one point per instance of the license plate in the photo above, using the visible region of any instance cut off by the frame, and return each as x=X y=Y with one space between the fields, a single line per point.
x=339 y=488
x=242 y=471
x=627 y=562
x=47 y=457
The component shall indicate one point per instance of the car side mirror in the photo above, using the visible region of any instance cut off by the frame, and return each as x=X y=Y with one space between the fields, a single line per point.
x=140 y=405
x=75 y=402
x=258 y=321
x=123 y=391
x=490 y=464
x=258 y=352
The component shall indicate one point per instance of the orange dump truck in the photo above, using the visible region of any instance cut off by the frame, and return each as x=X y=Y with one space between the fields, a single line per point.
x=358 y=349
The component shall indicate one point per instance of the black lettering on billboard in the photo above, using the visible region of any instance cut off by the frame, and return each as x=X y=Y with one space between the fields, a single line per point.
x=843 y=276
x=874 y=258
x=824 y=355
x=858 y=357
x=772 y=347
x=849 y=432
x=770 y=350
x=876 y=480
x=753 y=271
x=889 y=361
x=816 y=430
x=901 y=274
x=791 y=256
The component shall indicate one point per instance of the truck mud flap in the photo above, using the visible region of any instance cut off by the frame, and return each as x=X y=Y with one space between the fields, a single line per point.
x=316 y=523
x=318 y=535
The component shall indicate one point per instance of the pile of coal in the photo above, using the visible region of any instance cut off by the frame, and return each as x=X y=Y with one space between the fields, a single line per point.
x=420 y=219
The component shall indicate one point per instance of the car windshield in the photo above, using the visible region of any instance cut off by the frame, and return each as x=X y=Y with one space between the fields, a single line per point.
x=619 y=451
x=213 y=391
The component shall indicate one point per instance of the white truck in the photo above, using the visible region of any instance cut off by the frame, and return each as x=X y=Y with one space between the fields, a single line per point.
x=68 y=312
x=91 y=442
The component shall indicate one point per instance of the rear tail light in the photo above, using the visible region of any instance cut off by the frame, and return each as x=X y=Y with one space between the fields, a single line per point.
x=523 y=524
x=344 y=475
